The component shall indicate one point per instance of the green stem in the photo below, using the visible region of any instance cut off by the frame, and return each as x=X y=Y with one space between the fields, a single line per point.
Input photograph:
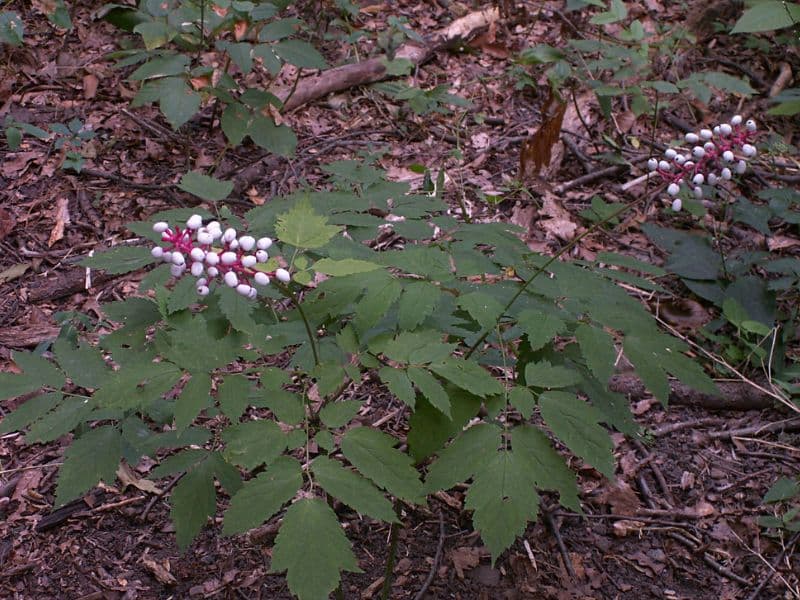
x=540 y=270
x=311 y=338
x=387 y=575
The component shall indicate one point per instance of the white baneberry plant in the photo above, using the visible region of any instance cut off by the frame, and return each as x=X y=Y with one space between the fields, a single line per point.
x=487 y=349
x=713 y=159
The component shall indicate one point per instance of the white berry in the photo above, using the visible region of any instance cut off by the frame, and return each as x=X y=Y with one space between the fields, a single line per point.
x=160 y=227
x=664 y=165
x=248 y=260
x=706 y=134
x=229 y=235
x=751 y=125
x=194 y=222
x=673 y=189
x=231 y=279
x=725 y=129
x=202 y=290
x=698 y=179
x=247 y=242
x=261 y=278
x=197 y=269
x=736 y=120
x=243 y=289
x=264 y=243
x=692 y=138
x=283 y=275
x=670 y=153
x=698 y=192
x=726 y=173
x=212 y=271
x=205 y=237
x=652 y=164
x=177 y=259
x=741 y=167
x=727 y=156
x=228 y=258
x=262 y=256
x=157 y=252
x=677 y=205
x=177 y=270
x=748 y=150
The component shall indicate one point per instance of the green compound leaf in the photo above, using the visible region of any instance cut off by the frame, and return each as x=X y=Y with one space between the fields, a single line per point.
x=459 y=461
x=399 y=384
x=11 y=28
x=312 y=569
x=196 y=396
x=234 y=396
x=260 y=498
x=376 y=303
x=576 y=424
x=544 y=375
x=346 y=266
x=234 y=122
x=92 y=457
x=83 y=364
x=540 y=327
x=154 y=33
x=482 y=307
x=352 y=489
x=302 y=228
x=30 y=411
x=430 y=387
x=279 y=139
x=205 y=187
x=503 y=497
x=373 y=453
x=119 y=260
x=416 y=347
x=36 y=372
x=417 y=303
x=339 y=414
x=522 y=399
x=183 y=295
x=597 y=348
x=549 y=469
x=300 y=54
x=253 y=443
x=237 y=309
x=768 y=15
x=469 y=376
x=177 y=101
x=193 y=500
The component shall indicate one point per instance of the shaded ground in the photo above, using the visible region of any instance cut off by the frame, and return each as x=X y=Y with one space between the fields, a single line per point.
x=678 y=522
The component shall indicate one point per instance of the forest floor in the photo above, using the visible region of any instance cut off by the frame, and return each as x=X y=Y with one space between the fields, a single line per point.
x=680 y=521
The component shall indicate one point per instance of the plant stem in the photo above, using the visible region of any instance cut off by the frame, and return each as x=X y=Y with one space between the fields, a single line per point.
x=387 y=574
x=540 y=270
x=311 y=338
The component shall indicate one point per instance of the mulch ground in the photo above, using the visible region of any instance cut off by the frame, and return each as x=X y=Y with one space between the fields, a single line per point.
x=678 y=522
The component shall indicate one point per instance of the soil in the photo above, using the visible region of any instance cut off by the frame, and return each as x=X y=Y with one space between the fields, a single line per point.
x=680 y=520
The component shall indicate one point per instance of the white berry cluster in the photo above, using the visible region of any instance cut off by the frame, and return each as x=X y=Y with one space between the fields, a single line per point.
x=716 y=155
x=208 y=252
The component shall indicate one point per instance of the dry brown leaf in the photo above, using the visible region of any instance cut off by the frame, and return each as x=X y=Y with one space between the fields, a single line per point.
x=621 y=498
x=464 y=559
x=240 y=30
x=11 y=273
x=778 y=242
x=62 y=220
x=159 y=571
x=90 y=82
x=537 y=149
x=7 y=222
x=625 y=527
x=684 y=313
x=560 y=224
x=128 y=477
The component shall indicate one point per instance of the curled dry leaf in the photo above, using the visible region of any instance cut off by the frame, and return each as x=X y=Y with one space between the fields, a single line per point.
x=684 y=313
x=537 y=149
x=62 y=220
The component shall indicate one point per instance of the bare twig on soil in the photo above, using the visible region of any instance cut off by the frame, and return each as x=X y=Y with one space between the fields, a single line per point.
x=436 y=559
x=154 y=499
x=549 y=519
x=784 y=425
x=774 y=566
x=590 y=178
x=662 y=482
x=693 y=424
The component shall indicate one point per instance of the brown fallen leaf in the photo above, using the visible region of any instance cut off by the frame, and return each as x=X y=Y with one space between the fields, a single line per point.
x=11 y=273
x=560 y=224
x=7 y=222
x=62 y=219
x=465 y=559
x=90 y=82
x=128 y=477
x=159 y=571
x=537 y=149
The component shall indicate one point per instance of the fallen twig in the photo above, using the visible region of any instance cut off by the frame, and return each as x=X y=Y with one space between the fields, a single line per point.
x=436 y=558
x=783 y=425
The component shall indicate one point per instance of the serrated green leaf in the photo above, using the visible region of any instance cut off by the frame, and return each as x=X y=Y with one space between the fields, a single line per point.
x=399 y=384
x=339 y=414
x=67 y=415
x=241 y=54
x=352 y=489
x=430 y=388
x=576 y=424
x=768 y=15
x=522 y=399
x=429 y=429
x=279 y=139
x=205 y=187
x=301 y=227
x=783 y=489
x=647 y=365
x=376 y=304
x=233 y=396
x=540 y=327
x=119 y=260
x=234 y=122
x=288 y=407
x=193 y=501
x=183 y=295
x=469 y=376
x=91 y=458
x=481 y=307
x=83 y=364
x=544 y=375
x=29 y=411
x=417 y=303
x=137 y=386
x=728 y=83
x=504 y=499
x=177 y=101
x=459 y=461
x=597 y=348
x=181 y=461
x=155 y=33
x=195 y=349
x=300 y=54
x=312 y=570
x=549 y=469
x=12 y=29
x=253 y=443
x=372 y=452
x=163 y=66
x=237 y=309
x=260 y=498
x=196 y=396
x=346 y=266
x=415 y=347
